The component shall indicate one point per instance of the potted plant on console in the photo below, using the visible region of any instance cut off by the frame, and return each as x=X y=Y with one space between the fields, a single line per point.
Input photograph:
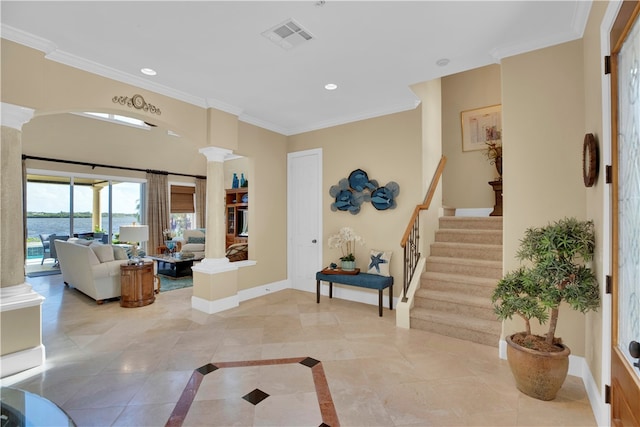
x=556 y=273
x=346 y=240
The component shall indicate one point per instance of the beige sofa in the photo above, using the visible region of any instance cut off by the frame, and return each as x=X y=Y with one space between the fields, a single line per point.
x=197 y=244
x=92 y=268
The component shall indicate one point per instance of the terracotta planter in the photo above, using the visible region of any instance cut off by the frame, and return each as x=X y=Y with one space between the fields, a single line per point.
x=538 y=374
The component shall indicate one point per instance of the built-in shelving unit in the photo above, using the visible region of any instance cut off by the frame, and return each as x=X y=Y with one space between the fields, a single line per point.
x=237 y=208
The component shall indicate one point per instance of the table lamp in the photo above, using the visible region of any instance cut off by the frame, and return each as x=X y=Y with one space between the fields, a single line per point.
x=134 y=234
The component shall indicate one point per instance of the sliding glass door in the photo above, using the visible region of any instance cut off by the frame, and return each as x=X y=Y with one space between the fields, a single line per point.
x=85 y=206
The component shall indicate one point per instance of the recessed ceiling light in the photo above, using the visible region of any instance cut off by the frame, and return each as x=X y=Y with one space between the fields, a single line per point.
x=331 y=86
x=148 y=71
x=442 y=62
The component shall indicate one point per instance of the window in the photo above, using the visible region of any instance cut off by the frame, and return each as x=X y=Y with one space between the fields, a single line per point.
x=182 y=210
x=79 y=205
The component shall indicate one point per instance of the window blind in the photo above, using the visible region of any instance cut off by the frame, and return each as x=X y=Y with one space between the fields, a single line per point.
x=182 y=199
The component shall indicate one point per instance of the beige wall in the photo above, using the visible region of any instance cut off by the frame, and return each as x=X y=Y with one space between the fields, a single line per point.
x=30 y=80
x=50 y=88
x=550 y=98
x=238 y=166
x=467 y=173
x=266 y=152
x=543 y=119
x=595 y=195
x=25 y=337
x=78 y=138
x=430 y=94
x=387 y=148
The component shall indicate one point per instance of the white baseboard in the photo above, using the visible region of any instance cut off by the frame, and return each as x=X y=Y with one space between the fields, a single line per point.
x=578 y=367
x=263 y=290
x=211 y=307
x=354 y=294
x=19 y=361
x=577 y=364
x=601 y=410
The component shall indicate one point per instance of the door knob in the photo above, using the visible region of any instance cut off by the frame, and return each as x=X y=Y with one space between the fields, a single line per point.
x=634 y=350
x=314 y=241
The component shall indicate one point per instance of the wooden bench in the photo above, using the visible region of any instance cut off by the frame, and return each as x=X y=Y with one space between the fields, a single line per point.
x=362 y=280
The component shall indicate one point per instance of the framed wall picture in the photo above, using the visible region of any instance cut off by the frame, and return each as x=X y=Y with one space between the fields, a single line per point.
x=479 y=126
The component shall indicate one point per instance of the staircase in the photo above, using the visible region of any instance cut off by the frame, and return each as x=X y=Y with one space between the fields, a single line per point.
x=465 y=264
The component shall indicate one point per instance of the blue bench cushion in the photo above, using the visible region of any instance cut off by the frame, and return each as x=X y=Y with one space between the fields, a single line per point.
x=364 y=280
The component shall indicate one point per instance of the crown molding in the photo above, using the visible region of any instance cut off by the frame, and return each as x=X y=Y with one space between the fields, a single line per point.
x=579 y=22
x=27 y=39
x=398 y=108
x=223 y=106
x=52 y=53
x=111 y=73
x=264 y=124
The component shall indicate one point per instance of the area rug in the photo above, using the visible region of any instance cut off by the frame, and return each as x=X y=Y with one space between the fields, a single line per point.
x=170 y=284
x=44 y=273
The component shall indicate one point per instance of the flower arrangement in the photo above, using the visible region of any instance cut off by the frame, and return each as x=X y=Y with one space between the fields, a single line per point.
x=345 y=240
x=168 y=234
x=493 y=140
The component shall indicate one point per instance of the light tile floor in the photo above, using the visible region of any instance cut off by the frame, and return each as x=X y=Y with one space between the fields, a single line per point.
x=108 y=365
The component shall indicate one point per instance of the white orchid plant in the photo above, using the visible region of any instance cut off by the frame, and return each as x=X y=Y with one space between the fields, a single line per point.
x=346 y=240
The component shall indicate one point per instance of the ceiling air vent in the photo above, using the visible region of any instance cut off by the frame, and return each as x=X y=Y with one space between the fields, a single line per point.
x=288 y=35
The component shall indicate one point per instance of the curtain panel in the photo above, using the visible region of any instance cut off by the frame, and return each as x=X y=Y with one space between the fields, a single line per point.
x=201 y=202
x=157 y=209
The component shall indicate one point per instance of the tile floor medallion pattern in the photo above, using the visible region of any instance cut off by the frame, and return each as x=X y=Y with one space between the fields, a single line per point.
x=113 y=366
x=230 y=386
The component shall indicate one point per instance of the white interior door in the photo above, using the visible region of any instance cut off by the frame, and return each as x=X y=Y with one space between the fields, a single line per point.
x=304 y=199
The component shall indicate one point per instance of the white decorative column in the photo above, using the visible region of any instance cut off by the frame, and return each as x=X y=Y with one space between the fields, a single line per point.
x=96 y=215
x=215 y=279
x=20 y=307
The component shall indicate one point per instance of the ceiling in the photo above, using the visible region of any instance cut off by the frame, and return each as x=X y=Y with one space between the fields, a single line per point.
x=213 y=53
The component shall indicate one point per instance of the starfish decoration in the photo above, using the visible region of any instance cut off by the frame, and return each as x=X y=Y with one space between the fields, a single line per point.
x=376 y=260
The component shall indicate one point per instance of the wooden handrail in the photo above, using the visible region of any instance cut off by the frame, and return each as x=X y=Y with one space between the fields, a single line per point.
x=427 y=200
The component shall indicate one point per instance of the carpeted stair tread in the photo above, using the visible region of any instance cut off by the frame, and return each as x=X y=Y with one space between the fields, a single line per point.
x=457 y=325
x=492 y=237
x=490 y=252
x=479 y=286
x=457 y=320
x=455 y=303
x=460 y=278
x=463 y=268
x=462 y=222
x=480 y=268
x=453 y=297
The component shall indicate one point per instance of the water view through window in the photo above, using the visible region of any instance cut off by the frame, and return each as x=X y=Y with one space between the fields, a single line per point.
x=87 y=206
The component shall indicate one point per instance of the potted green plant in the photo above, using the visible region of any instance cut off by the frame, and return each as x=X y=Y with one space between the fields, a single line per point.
x=556 y=272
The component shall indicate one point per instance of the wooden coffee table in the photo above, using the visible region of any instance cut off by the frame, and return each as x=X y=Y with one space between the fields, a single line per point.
x=173 y=266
